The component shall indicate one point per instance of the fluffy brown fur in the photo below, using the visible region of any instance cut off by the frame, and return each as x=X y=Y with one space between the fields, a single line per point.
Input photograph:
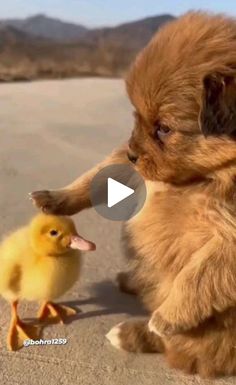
x=183 y=242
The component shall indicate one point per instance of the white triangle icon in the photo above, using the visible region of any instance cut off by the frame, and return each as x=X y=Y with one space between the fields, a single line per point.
x=117 y=192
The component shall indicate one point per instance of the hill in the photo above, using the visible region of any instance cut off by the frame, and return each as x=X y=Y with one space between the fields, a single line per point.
x=26 y=55
x=47 y=27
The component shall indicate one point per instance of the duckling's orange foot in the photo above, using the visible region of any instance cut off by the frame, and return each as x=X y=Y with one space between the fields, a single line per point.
x=55 y=313
x=20 y=332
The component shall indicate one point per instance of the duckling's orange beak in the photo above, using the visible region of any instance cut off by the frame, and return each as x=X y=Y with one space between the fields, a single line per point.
x=79 y=243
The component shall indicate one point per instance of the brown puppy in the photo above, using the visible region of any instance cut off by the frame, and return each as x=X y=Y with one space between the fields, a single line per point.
x=183 y=88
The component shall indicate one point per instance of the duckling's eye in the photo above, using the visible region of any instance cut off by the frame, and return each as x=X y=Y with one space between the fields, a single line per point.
x=54 y=233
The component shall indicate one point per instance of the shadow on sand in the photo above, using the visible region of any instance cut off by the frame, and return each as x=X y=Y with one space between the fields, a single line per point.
x=106 y=295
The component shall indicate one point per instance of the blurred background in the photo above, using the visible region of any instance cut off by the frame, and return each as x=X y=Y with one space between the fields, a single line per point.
x=74 y=38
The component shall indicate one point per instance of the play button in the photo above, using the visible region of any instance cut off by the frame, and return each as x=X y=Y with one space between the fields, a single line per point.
x=118 y=192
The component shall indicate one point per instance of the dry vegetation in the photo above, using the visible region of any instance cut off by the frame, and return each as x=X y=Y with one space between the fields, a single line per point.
x=103 y=52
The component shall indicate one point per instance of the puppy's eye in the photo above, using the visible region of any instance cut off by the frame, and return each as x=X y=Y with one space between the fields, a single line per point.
x=54 y=233
x=162 y=131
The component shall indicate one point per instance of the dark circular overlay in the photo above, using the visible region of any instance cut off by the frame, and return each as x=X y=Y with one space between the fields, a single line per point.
x=128 y=207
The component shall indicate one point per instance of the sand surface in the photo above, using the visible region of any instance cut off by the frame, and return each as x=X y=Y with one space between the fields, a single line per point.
x=51 y=132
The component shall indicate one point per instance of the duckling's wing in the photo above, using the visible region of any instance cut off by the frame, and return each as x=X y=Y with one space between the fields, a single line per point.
x=10 y=279
x=12 y=251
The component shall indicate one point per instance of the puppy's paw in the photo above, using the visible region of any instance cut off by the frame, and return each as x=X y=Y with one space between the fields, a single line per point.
x=134 y=336
x=115 y=336
x=51 y=202
x=161 y=327
x=42 y=199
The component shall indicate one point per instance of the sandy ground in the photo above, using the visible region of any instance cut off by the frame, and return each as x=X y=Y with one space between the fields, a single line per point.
x=50 y=132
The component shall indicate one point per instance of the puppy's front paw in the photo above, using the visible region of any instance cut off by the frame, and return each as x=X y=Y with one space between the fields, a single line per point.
x=51 y=202
x=161 y=327
x=42 y=199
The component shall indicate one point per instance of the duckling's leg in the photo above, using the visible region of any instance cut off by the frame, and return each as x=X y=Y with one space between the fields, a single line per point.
x=19 y=331
x=54 y=313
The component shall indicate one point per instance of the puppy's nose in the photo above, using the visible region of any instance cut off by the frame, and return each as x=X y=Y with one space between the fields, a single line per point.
x=132 y=157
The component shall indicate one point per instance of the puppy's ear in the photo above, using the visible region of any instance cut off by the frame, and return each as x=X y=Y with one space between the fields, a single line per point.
x=218 y=113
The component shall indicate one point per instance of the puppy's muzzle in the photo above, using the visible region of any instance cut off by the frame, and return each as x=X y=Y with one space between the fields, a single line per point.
x=132 y=156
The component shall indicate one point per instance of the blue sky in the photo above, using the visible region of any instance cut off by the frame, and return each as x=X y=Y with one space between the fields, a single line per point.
x=109 y=12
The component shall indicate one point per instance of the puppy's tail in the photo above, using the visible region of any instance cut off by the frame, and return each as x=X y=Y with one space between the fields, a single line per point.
x=134 y=336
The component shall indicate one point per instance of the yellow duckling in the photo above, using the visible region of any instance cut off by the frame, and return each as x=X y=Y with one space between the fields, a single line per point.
x=40 y=262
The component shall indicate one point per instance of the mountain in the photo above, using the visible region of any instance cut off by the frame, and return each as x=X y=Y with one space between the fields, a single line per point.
x=47 y=27
x=134 y=34
x=28 y=55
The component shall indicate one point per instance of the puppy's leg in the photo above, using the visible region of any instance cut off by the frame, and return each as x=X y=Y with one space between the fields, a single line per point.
x=207 y=284
x=134 y=336
x=127 y=281
x=75 y=197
